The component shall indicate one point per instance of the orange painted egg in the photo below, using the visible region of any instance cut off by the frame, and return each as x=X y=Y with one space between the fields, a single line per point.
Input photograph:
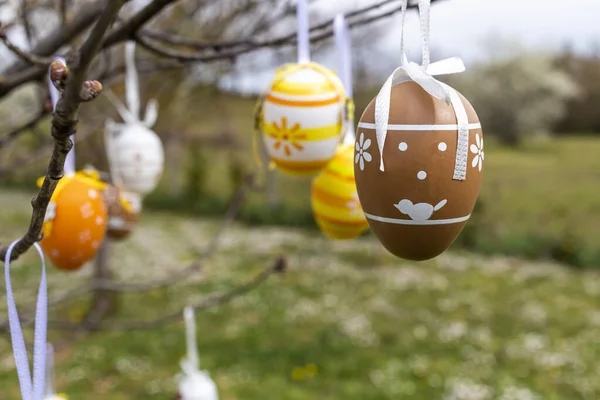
x=334 y=199
x=75 y=222
x=302 y=118
x=415 y=206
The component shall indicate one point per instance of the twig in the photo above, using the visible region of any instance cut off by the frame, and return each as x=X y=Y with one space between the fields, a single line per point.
x=203 y=45
x=17 y=75
x=279 y=266
x=19 y=72
x=64 y=124
x=63 y=10
x=29 y=57
x=234 y=207
x=233 y=49
x=13 y=134
x=236 y=204
x=128 y=29
x=26 y=24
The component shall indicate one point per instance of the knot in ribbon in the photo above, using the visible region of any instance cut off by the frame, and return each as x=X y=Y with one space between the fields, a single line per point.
x=422 y=75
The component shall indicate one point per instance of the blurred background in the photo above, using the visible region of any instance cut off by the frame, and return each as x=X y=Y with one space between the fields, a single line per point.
x=509 y=312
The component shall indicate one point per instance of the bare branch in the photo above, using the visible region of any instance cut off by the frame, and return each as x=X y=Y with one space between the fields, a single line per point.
x=29 y=57
x=232 y=49
x=64 y=123
x=279 y=266
x=14 y=133
x=128 y=29
x=19 y=72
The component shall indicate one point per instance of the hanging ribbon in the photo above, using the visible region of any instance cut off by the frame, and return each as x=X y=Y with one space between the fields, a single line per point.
x=423 y=76
x=343 y=54
x=30 y=389
x=49 y=392
x=132 y=91
x=54 y=97
x=190 y=336
x=303 y=34
x=194 y=384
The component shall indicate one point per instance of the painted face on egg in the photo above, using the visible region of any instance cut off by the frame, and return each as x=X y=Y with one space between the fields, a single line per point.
x=414 y=206
x=334 y=199
x=302 y=118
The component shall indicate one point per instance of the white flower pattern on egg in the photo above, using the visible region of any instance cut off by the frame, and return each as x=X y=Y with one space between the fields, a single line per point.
x=87 y=210
x=362 y=155
x=478 y=151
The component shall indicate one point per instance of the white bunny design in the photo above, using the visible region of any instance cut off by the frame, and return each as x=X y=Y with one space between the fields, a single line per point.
x=135 y=153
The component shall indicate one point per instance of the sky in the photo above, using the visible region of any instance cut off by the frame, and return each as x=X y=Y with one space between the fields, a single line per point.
x=460 y=27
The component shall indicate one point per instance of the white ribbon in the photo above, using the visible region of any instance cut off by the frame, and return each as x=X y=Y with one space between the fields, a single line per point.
x=190 y=335
x=194 y=384
x=303 y=35
x=54 y=97
x=49 y=392
x=423 y=76
x=343 y=55
x=30 y=389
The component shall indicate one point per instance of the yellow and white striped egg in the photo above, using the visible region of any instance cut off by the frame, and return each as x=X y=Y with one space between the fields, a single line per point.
x=334 y=198
x=302 y=118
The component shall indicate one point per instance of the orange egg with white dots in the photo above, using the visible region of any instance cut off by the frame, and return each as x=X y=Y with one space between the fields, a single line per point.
x=75 y=222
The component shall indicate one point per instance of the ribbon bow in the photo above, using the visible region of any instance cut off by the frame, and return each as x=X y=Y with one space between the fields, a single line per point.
x=423 y=76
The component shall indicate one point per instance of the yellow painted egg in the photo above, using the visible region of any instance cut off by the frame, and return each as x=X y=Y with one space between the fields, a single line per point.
x=334 y=198
x=75 y=221
x=302 y=118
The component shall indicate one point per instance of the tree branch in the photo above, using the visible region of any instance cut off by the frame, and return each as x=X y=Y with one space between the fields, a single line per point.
x=232 y=49
x=15 y=132
x=29 y=57
x=127 y=30
x=64 y=122
x=20 y=72
x=279 y=266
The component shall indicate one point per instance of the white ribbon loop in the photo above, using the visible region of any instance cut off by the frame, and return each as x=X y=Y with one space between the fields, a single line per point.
x=303 y=35
x=49 y=371
x=132 y=92
x=190 y=331
x=342 y=46
x=30 y=389
x=423 y=76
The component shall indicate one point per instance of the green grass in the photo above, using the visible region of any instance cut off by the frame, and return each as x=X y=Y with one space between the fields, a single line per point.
x=461 y=326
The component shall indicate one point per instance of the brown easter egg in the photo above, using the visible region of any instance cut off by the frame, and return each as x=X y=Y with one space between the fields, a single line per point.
x=124 y=208
x=414 y=206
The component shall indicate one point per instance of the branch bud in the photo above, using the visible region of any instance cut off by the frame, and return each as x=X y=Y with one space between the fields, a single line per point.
x=90 y=90
x=59 y=73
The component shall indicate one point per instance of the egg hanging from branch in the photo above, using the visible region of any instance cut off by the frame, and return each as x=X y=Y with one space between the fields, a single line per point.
x=124 y=208
x=135 y=153
x=301 y=118
x=407 y=181
x=75 y=222
x=334 y=199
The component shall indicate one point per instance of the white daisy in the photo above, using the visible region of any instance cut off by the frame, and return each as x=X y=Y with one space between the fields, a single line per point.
x=478 y=151
x=361 y=154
